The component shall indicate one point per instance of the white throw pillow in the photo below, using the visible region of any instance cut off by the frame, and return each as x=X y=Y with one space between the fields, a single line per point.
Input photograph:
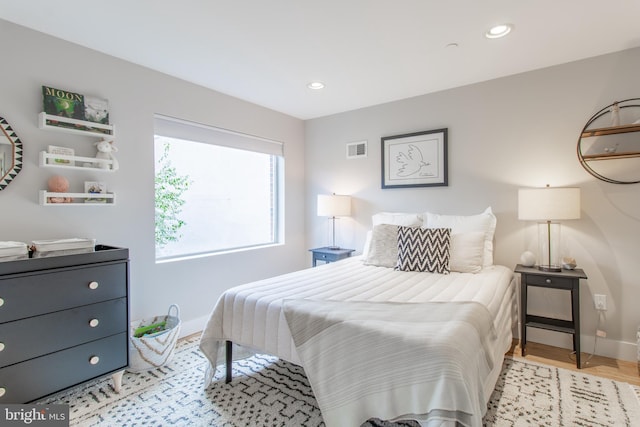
x=467 y=252
x=484 y=222
x=392 y=218
x=383 y=248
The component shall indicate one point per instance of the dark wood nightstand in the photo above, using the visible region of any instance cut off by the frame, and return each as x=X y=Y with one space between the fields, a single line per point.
x=565 y=279
x=327 y=254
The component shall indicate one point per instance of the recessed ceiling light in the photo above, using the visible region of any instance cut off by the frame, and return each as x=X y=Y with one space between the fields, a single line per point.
x=498 y=31
x=315 y=85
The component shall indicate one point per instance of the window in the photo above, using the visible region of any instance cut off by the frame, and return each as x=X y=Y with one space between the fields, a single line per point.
x=215 y=190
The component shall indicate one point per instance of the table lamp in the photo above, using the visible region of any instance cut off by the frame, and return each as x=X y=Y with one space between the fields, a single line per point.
x=333 y=206
x=548 y=206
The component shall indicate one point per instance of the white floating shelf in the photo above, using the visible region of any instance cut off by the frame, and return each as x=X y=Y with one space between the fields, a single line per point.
x=80 y=127
x=97 y=163
x=84 y=199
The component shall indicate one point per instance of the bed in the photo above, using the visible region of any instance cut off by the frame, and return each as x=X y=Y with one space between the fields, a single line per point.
x=379 y=342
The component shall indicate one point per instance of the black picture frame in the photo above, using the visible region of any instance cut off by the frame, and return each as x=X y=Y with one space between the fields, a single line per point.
x=418 y=159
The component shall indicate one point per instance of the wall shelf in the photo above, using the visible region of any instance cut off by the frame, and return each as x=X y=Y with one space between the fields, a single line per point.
x=78 y=127
x=612 y=130
x=97 y=163
x=608 y=150
x=84 y=199
x=609 y=156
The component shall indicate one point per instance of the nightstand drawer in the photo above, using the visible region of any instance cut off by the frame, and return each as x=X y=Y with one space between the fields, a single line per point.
x=36 y=378
x=31 y=294
x=39 y=335
x=327 y=257
x=549 y=281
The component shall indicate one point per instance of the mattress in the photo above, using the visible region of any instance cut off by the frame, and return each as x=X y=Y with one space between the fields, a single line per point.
x=252 y=315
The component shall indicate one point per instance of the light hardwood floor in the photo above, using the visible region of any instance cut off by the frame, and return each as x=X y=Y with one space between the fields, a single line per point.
x=618 y=370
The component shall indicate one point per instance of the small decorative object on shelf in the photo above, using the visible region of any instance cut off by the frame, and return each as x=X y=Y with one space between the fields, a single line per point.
x=95 y=188
x=615 y=114
x=58 y=184
x=66 y=156
x=105 y=152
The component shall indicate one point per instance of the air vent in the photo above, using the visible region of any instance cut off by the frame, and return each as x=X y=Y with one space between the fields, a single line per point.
x=356 y=150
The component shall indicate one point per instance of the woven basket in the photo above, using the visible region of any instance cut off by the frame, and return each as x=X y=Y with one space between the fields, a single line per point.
x=154 y=350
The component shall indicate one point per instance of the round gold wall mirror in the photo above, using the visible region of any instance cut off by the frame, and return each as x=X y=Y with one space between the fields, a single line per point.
x=609 y=144
x=10 y=154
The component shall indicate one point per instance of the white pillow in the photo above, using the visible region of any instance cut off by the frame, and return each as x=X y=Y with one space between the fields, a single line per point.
x=395 y=218
x=392 y=218
x=485 y=222
x=383 y=248
x=467 y=252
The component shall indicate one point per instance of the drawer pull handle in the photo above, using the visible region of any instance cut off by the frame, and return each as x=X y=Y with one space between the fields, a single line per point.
x=94 y=360
x=1 y=302
x=1 y=346
x=93 y=285
x=548 y=281
x=94 y=322
x=2 y=391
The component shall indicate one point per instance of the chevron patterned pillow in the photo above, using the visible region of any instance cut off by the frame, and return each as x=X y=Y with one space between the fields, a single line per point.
x=423 y=249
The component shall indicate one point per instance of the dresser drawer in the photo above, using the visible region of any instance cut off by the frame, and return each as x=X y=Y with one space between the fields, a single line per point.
x=549 y=281
x=45 y=292
x=39 y=335
x=36 y=378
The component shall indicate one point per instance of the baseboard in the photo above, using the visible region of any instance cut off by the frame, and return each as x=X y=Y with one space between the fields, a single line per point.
x=614 y=349
x=193 y=326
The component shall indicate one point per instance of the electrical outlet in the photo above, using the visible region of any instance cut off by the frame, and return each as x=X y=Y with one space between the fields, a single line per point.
x=601 y=333
x=600 y=301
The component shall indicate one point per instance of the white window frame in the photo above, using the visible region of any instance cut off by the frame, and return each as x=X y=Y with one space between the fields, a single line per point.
x=192 y=131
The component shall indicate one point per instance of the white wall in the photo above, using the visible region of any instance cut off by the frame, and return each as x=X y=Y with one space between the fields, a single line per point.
x=30 y=60
x=504 y=134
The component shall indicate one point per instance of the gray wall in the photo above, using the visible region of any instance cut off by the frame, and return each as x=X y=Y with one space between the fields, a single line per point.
x=504 y=134
x=30 y=60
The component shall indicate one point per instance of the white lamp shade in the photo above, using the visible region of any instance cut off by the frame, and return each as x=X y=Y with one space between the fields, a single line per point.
x=333 y=205
x=549 y=204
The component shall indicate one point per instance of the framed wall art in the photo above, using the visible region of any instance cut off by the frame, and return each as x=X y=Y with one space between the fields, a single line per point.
x=416 y=159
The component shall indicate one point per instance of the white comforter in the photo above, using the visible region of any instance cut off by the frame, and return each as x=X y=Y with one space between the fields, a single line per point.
x=253 y=316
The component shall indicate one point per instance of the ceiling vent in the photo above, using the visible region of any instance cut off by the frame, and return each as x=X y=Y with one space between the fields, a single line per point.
x=356 y=150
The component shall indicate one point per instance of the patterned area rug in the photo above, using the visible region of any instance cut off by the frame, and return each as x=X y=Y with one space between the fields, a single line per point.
x=268 y=392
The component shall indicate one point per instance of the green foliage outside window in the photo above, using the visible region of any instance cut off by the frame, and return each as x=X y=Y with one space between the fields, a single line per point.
x=170 y=186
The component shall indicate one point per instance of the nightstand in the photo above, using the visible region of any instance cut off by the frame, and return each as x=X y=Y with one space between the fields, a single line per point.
x=327 y=254
x=566 y=279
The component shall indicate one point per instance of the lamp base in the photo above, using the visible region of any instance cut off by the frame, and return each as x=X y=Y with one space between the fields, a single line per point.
x=553 y=268
x=333 y=248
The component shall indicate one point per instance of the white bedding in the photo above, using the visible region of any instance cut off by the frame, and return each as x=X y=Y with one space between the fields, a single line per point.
x=252 y=315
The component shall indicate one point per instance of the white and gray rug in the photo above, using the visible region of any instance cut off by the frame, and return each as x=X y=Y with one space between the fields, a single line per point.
x=268 y=392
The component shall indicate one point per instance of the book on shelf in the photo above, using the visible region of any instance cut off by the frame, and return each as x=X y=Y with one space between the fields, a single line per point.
x=53 y=149
x=95 y=187
x=71 y=105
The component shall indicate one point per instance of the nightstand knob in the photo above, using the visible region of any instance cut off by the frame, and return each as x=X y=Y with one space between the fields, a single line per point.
x=2 y=391
x=1 y=302
x=93 y=285
x=94 y=360
x=94 y=322
x=1 y=346
x=548 y=280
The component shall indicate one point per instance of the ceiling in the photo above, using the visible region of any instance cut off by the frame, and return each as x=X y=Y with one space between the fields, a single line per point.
x=367 y=52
